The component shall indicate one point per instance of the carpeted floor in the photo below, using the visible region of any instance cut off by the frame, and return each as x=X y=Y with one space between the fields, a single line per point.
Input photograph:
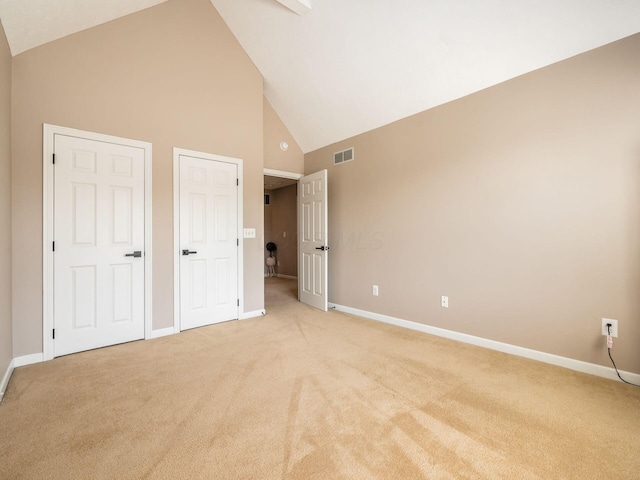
x=301 y=394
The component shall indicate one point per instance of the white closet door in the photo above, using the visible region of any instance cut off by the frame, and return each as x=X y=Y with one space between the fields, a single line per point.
x=99 y=244
x=208 y=241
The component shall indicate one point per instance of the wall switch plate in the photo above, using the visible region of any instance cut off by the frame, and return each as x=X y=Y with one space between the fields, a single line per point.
x=444 y=302
x=249 y=233
x=284 y=234
x=375 y=290
x=614 y=327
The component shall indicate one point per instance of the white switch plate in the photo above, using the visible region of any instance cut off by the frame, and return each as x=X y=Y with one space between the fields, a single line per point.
x=249 y=233
x=614 y=327
x=375 y=290
x=444 y=302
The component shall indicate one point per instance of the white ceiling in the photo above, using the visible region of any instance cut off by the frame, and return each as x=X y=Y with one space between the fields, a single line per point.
x=348 y=66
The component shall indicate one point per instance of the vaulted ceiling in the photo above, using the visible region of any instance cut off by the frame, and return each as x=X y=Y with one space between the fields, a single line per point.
x=347 y=66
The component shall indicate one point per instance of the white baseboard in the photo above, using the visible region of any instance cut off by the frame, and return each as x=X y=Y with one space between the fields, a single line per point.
x=162 y=332
x=28 y=360
x=570 y=363
x=254 y=314
x=15 y=363
x=5 y=378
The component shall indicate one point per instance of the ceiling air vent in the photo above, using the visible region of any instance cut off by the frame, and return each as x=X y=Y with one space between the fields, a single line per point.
x=343 y=156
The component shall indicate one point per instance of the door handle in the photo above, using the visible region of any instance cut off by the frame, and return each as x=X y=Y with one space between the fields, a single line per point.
x=186 y=251
x=323 y=248
x=135 y=254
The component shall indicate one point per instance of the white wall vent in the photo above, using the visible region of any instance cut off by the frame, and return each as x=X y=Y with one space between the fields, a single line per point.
x=343 y=156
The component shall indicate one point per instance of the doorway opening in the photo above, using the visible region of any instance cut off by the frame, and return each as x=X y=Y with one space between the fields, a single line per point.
x=280 y=260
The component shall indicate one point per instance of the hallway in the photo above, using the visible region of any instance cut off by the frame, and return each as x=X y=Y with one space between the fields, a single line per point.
x=279 y=292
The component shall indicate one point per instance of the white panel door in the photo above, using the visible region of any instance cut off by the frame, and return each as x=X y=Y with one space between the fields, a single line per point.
x=312 y=235
x=208 y=241
x=99 y=244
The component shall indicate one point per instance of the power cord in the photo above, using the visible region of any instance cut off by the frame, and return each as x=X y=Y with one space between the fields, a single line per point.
x=609 y=345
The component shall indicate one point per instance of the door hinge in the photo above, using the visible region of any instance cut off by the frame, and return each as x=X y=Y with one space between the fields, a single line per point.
x=237 y=182
x=238 y=302
x=53 y=246
x=54 y=158
x=54 y=333
x=237 y=242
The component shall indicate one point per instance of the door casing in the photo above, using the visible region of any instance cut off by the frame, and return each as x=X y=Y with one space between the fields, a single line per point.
x=48 y=140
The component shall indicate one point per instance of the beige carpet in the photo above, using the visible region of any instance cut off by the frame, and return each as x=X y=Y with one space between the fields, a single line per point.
x=301 y=394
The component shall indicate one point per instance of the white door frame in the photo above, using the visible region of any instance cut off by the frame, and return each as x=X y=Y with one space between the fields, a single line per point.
x=48 y=133
x=282 y=174
x=176 y=228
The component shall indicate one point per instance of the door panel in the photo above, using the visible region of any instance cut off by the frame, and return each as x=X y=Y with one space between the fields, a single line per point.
x=313 y=250
x=122 y=283
x=209 y=235
x=83 y=298
x=121 y=218
x=99 y=219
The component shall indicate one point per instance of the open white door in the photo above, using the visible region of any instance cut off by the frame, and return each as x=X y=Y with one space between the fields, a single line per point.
x=312 y=240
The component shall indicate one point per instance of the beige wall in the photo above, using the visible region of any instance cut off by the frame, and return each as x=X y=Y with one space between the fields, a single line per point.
x=284 y=229
x=172 y=75
x=6 y=335
x=521 y=203
x=275 y=132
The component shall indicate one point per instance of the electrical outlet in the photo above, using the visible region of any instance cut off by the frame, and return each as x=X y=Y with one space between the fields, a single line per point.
x=444 y=302
x=614 y=327
x=375 y=290
x=284 y=234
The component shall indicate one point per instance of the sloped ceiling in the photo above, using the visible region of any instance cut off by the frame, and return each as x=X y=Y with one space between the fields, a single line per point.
x=31 y=23
x=348 y=66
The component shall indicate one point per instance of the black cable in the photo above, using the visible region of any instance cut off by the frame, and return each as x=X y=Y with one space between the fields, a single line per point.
x=614 y=366
x=614 y=363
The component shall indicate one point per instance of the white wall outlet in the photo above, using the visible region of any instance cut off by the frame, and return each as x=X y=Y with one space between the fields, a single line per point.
x=375 y=290
x=249 y=233
x=614 y=327
x=284 y=234
x=444 y=302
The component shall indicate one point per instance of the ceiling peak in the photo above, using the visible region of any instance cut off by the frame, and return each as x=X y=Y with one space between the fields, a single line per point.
x=300 y=7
